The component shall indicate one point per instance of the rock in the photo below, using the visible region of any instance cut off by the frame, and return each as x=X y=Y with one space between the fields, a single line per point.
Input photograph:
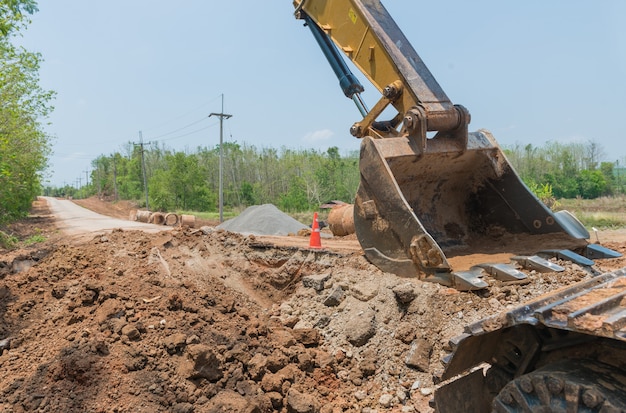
x=365 y=291
x=323 y=321
x=419 y=355
x=227 y=401
x=285 y=308
x=360 y=395
x=134 y=360
x=386 y=400
x=111 y=308
x=276 y=361
x=306 y=361
x=367 y=367
x=21 y=265
x=131 y=332
x=335 y=297
x=276 y=399
x=405 y=293
x=309 y=337
x=283 y=337
x=257 y=366
x=116 y=325
x=405 y=333
x=291 y=321
x=272 y=382
x=301 y=403
x=360 y=327
x=175 y=342
x=315 y=281
x=182 y=408
x=201 y=363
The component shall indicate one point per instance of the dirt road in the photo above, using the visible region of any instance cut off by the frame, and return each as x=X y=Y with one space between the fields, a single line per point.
x=73 y=219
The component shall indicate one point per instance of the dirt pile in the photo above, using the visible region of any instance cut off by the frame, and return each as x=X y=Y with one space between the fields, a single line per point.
x=213 y=321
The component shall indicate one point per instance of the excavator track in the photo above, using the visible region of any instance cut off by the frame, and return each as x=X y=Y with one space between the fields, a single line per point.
x=566 y=387
x=574 y=339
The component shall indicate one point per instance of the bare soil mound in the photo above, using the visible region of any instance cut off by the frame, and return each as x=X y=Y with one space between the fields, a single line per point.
x=212 y=321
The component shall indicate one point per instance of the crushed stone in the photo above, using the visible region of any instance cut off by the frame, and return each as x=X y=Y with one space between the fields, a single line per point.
x=264 y=219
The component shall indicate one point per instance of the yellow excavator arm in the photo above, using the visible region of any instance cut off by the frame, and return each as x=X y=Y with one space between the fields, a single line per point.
x=424 y=202
x=365 y=32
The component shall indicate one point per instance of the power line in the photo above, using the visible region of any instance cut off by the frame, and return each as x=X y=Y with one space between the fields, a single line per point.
x=184 y=114
x=181 y=128
x=189 y=133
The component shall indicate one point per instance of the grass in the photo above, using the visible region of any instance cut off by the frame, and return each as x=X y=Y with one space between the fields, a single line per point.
x=603 y=213
x=34 y=239
x=8 y=241
x=210 y=216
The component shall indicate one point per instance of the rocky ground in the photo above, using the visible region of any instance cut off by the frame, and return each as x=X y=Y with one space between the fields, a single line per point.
x=204 y=320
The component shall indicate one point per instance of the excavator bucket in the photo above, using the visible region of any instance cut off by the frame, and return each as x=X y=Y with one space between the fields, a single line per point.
x=415 y=209
x=430 y=207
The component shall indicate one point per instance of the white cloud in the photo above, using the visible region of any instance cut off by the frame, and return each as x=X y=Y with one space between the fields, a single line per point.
x=318 y=136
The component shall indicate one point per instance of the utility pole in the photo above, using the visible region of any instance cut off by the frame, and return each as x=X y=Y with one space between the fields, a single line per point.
x=221 y=115
x=86 y=177
x=143 y=166
x=115 y=178
x=98 y=178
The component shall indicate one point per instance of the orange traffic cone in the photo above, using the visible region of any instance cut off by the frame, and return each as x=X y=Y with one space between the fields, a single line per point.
x=315 y=241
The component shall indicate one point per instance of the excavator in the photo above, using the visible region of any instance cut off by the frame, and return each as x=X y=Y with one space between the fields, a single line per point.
x=432 y=194
x=429 y=189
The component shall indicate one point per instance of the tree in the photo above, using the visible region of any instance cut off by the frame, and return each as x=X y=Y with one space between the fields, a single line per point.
x=12 y=17
x=24 y=105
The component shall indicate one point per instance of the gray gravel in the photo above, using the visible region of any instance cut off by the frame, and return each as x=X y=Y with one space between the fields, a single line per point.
x=263 y=219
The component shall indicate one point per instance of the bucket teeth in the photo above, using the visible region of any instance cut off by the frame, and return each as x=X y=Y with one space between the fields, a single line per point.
x=461 y=280
x=568 y=256
x=596 y=251
x=535 y=262
x=503 y=272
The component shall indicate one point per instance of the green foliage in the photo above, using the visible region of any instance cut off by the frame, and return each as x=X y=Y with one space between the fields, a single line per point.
x=12 y=16
x=591 y=184
x=24 y=146
x=34 y=239
x=293 y=180
x=544 y=193
x=571 y=170
x=7 y=241
x=295 y=198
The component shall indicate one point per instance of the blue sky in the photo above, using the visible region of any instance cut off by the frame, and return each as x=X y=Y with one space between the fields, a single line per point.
x=530 y=72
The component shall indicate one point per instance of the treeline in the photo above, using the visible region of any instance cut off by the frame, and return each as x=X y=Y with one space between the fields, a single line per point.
x=568 y=170
x=24 y=105
x=300 y=180
x=293 y=180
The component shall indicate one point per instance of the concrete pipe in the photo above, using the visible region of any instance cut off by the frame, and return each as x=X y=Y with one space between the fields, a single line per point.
x=188 y=221
x=171 y=220
x=157 y=218
x=341 y=220
x=143 y=216
x=132 y=216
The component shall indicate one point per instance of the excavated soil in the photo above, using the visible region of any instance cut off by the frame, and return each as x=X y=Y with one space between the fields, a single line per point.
x=204 y=320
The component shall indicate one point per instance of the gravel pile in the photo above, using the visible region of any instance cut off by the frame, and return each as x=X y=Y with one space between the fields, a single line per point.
x=263 y=219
